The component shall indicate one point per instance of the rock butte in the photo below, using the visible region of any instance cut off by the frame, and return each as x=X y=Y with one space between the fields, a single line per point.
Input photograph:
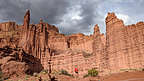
x=120 y=48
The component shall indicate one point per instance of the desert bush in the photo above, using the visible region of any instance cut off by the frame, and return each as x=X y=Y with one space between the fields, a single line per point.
x=92 y=72
x=64 y=72
x=44 y=71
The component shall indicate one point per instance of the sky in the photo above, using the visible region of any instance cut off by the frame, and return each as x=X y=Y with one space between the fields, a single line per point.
x=72 y=16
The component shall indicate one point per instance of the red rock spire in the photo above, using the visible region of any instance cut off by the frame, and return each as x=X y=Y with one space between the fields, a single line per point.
x=41 y=21
x=110 y=16
x=26 y=20
x=96 y=30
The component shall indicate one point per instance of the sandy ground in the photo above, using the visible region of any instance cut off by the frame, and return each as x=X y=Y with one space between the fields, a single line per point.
x=126 y=76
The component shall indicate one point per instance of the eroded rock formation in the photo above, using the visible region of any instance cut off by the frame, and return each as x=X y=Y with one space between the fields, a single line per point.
x=121 y=46
x=15 y=62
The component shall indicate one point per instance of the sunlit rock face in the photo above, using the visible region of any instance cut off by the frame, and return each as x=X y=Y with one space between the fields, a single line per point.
x=124 y=44
x=121 y=47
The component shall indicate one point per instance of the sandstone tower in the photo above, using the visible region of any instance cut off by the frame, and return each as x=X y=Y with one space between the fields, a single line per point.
x=123 y=44
x=121 y=47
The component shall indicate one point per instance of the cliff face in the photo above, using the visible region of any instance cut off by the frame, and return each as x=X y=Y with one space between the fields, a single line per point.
x=124 y=44
x=121 y=47
x=9 y=34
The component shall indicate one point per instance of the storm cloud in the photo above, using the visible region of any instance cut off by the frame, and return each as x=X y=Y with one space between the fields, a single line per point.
x=72 y=16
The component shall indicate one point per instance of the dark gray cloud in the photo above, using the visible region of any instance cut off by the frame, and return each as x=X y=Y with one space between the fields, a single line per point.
x=88 y=13
x=53 y=12
x=72 y=16
x=13 y=9
x=50 y=10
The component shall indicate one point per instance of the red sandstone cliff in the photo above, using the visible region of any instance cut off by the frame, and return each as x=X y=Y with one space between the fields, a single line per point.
x=121 y=46
x=124 y=44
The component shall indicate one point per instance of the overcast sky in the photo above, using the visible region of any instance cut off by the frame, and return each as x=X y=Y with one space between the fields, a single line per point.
x=73 y=16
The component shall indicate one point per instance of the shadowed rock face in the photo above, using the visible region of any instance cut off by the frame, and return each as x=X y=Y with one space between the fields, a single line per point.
x=15 y=62
x=121 y=46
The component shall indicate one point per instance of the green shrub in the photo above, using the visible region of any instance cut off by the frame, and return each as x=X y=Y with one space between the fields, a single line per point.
x=64 y=72
x=44 y=71
x=92 y=72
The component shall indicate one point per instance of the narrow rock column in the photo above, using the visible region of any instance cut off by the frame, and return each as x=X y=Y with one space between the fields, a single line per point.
x=98 y=48
x=25 y=32
x=26 y=20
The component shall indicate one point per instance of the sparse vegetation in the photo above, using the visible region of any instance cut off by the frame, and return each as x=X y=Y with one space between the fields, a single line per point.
x=44 y=71
x=85 y=75
x=27 y=77
x=55 y=72
x=64 y=72
x=1 y=79
x=35 y=74
x=92 y=72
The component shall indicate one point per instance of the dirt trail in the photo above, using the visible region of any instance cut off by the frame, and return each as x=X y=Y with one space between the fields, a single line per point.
x=126 y=76
x=134 y=79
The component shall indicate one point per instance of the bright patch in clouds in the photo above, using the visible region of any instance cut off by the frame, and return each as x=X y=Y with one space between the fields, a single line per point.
x=124 y=17
x=75 y=12
x=71 y=18
x=76 y=17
